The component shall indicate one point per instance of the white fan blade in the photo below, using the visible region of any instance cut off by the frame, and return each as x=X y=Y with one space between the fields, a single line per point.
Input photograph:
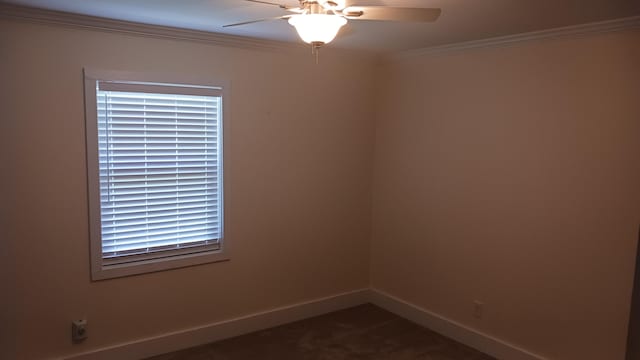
x=255 y=21
x=333 y=4
x=392 y=13
x=281 y=6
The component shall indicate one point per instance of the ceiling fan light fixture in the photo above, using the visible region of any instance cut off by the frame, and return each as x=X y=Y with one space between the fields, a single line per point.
x=317 y=28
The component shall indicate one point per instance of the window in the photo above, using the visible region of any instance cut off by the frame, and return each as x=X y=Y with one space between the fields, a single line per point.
x=155 y=173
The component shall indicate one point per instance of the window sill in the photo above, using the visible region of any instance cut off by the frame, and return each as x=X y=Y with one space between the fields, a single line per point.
x=155 y=265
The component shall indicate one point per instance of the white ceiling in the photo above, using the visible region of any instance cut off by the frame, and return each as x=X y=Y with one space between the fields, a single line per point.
x=461 y=20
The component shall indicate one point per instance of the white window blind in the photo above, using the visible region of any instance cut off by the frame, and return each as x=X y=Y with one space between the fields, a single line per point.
x=160 y=170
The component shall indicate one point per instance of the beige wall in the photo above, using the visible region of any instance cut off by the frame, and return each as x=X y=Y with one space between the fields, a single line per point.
x=506 y=175
x=511 y=175
x=299 y=194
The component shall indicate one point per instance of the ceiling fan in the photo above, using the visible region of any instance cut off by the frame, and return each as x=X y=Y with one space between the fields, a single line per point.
x=318 y=21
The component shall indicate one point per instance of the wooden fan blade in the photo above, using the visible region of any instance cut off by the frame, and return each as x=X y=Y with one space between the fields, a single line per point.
x=281 y=6
x=256 y=21
x=392 y=13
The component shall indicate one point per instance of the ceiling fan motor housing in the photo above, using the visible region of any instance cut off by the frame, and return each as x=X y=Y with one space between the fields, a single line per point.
x=313 y=7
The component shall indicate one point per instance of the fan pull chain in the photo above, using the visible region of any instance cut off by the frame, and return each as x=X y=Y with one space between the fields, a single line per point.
x=315 y=50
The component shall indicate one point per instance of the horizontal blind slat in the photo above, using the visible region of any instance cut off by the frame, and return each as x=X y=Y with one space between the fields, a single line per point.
x=165 y=224
x=136 y=172
x=134 y=255
x=159 y=235
x=159 y=157
x=137 y=215
x=153 y=220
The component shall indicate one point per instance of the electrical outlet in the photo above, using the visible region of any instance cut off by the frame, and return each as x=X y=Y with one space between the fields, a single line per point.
x=79 y=330
x=478 y=309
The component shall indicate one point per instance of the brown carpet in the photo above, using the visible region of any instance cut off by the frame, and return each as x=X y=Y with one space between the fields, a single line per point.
x=364 y=332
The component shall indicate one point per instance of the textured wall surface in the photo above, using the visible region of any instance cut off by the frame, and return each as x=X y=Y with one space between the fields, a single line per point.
x=506 y=175
x=298 y=188
x=511 y=176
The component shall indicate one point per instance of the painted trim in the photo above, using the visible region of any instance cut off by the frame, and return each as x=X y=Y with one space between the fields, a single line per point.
x=101 y=270
x=633 y=331
x=486 y=343
x=10 y=11
x=561 y=32
x=173 y=341
x=200 y=335
x=43 y=16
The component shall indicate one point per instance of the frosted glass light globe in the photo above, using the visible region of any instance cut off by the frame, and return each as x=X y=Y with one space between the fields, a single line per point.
x=317 y=28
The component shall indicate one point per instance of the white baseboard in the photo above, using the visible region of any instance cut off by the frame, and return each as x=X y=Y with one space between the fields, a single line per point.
x=186 y=338
x=177 y=340
x=461 y=333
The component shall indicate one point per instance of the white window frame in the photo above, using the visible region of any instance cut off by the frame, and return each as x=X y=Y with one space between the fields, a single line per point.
x=100 y=270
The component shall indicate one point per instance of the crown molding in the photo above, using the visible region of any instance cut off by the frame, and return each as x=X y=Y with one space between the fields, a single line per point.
x=561 y=32
x=78 y=21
